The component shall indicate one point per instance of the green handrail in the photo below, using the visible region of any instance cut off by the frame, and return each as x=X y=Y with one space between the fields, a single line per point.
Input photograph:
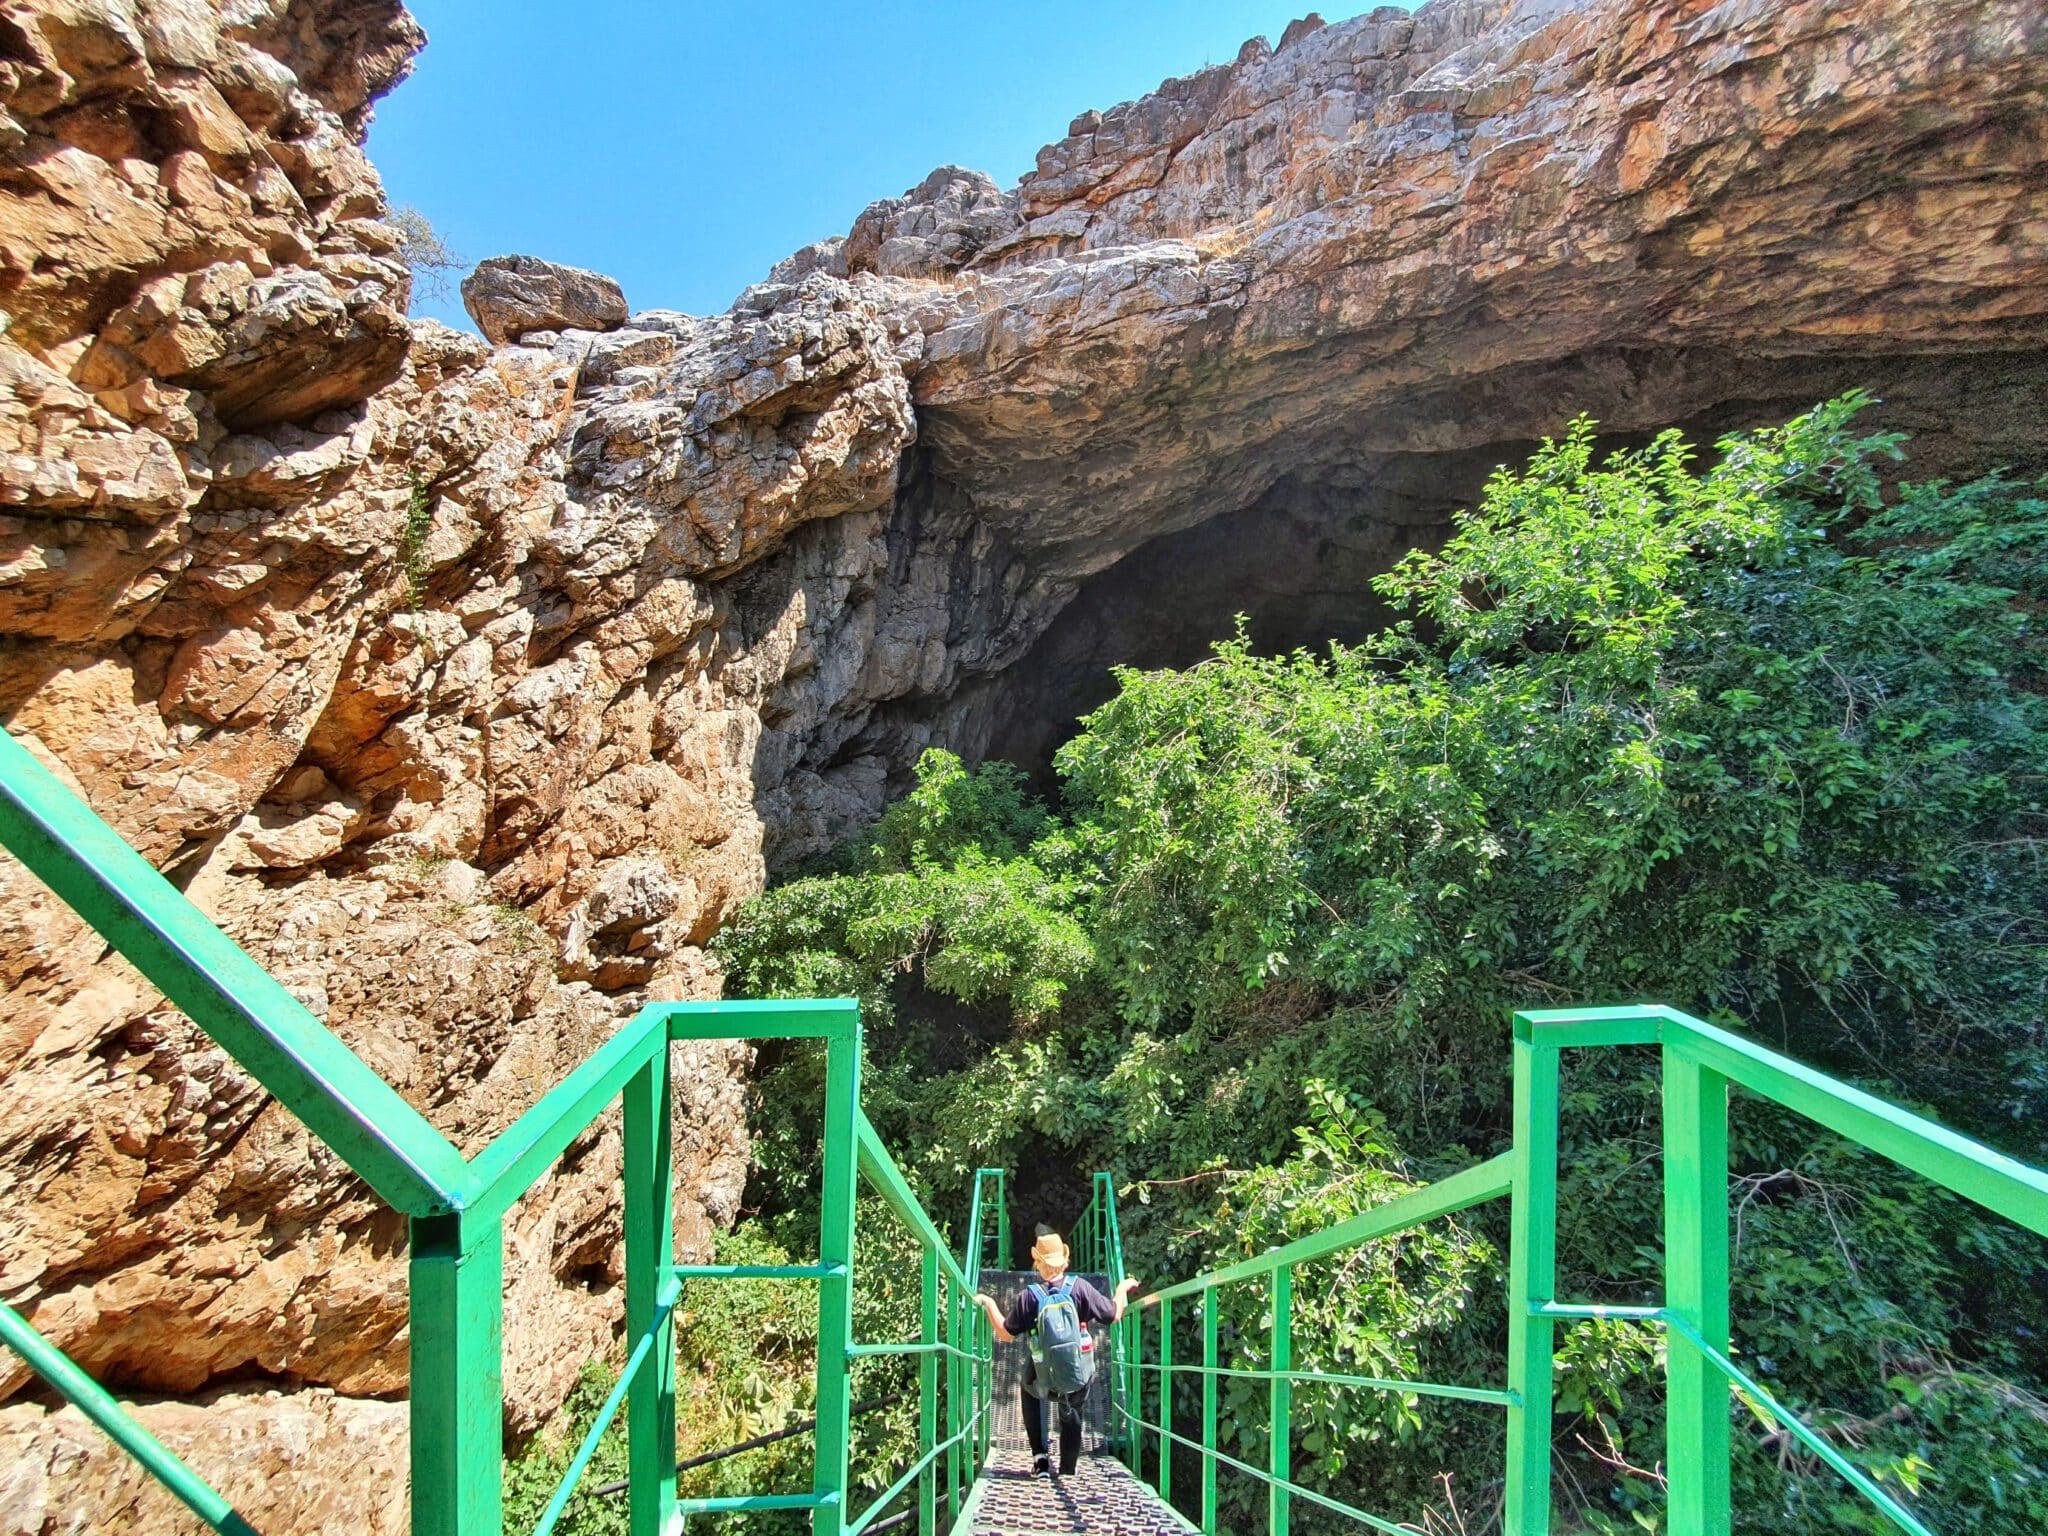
x=456 y=1209
x=1699 y=1063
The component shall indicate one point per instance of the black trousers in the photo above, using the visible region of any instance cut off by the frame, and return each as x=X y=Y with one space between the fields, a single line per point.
x=1068 y=1408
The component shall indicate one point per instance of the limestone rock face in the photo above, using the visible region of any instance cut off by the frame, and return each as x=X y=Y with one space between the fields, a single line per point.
x=471 y=685
x=513 y=296
x=315 y=1461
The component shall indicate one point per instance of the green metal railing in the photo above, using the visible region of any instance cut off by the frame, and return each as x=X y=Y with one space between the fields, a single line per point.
x=1699 y=1065
x=1098 y=1249
x=456 y=1209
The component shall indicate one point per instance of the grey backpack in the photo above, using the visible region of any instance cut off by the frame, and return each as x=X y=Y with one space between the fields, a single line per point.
x=1059 y=1344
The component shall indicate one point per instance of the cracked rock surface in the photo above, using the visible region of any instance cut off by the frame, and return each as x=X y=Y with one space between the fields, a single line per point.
x=471 y=685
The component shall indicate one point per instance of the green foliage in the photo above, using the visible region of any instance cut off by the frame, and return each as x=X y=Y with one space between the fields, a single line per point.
x=424 y=251
x=950 y=886
x=1754 y=736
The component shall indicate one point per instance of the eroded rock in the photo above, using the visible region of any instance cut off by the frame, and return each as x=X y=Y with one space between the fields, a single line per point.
x=510 y=297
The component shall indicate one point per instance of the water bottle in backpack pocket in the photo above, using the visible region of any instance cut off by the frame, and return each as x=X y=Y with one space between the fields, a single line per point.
x=1060 y=1347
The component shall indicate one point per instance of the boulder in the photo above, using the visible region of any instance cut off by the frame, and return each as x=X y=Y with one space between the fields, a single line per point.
x=512 y=296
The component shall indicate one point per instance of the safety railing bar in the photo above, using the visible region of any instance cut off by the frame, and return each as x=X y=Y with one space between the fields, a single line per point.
x=1571 y=1028
x=643 y=1351
x=98 y=1404
x=529 y=1146
x=757 y=1443
x=757 y=1271
x=2000 y=1184
x=1491 y=1396
x=880 y=1170
x=733 y=1504
x=1336 y=1505
x=1850 y=1473
x=811 y=1018
x=240 y=1005
x=895 y=1489
x=1599 y=1312
x=865 y=1351
x=1446 y=1197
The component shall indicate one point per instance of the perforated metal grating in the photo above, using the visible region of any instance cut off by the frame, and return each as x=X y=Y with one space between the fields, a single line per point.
x=1099 y=1497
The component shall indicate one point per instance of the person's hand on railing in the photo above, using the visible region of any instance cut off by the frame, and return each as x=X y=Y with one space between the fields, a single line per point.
x=995 y=1318
x=1124 y=1287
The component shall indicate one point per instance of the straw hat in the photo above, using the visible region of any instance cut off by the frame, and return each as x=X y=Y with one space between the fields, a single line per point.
x=1050 y=1250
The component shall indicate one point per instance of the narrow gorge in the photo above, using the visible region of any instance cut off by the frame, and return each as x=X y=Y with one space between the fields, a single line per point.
x=472 y=684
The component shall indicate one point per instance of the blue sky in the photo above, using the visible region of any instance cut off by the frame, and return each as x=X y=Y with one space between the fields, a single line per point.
x=685 y=146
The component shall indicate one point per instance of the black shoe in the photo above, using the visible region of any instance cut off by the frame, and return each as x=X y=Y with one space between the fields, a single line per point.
x=1042 y=1467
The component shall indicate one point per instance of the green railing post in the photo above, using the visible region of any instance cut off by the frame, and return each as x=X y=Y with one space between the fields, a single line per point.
x=1208 y=1410
x=1532 y=1283
x=1134 y=1389
x=1280 y=1458
x=928 y=1394
x=835 y=1289
x=956 y=1419
x=1166 y=1401
x=1003 y=1255
x=986 y=1371
x=457 y=1286
x=650 y=1253
x=1696 y=1290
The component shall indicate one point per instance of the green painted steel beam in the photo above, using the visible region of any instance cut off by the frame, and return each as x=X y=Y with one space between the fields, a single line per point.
x=1280 y=1403
x=745 y=1503
x=241 y=1006
x=1850 y=1473
x=1532 y=1286
x=825 y=1018
x=928 y=1392
x=1166 y=1400
x=1596 y=1311
x=530 y=1145
x=455 y=1376
x=1469 y=1187
x=2001 y=1184
x=645 y=1349
x=1291 y=1489
x=833 y=1438
x=1697 y=1449
x=887 y=1179
x=1209 y=1300
x=1490 y=1396
x=1565 y=1028
x=651 y=1291
x=99 y=1405
x=910 y=1347
x=916 y=1469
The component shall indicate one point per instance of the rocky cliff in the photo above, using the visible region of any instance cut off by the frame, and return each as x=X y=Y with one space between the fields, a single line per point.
x=471 y=686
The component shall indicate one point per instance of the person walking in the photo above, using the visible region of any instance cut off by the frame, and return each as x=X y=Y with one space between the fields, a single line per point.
x=1053 y=1314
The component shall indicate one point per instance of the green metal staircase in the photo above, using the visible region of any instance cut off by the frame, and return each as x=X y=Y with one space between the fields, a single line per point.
x=962 y=1477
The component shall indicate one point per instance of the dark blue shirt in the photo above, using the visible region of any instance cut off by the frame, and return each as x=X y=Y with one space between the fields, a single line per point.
x=1089 y=1304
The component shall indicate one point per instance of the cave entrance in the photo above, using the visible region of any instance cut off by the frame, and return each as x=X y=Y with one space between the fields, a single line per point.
x=1298 y=564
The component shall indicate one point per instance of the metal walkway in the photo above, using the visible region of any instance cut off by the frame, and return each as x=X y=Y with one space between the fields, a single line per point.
x=1100 y=1498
